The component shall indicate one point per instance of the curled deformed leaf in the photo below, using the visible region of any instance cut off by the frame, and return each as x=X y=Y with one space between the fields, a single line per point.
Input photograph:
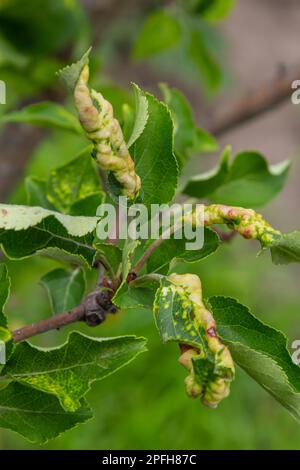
x=181 y=316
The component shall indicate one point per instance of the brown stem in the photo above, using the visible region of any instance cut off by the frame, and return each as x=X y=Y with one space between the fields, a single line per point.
x=264 y=98
x=147 y=255
x=165 y=235
x=52 y=323
x=93 y=310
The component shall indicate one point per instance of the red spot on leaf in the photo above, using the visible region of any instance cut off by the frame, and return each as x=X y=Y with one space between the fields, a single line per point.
x=212 y=332
x=247 y=233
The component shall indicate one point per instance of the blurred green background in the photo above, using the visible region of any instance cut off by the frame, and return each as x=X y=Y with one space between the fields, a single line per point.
x=144 y=405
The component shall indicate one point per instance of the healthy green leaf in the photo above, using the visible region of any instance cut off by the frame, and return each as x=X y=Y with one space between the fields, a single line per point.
x=41 y=28
x=153 y=154
x=112 y=254
x=209 y=9
x=286 y=249
x=45 y=114
x=127 y=264
x=5 y=334
x=73 y=182
x=26 y=231
x=172 y=249
x=35 y=415
x=217 y=9
x=128 y=255
x=135 y=297
x=260 y=350
x=159 y=32
x=204 y=61
x=65 y=288
x=141 y=115
x=4 y=293
x=127 y=121
x=69 y=371
x=88 y=205
x=248 y=181
x=10 y=56
x=36 y=191
x=188 y=138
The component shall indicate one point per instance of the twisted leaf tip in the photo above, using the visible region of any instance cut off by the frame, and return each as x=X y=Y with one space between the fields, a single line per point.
x=102 y=128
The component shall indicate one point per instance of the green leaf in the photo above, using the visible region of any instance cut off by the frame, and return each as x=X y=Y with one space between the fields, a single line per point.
x=172 y=313
x=217 y=9
x=141 y=115
x=36 y=191
x=128 y=121
x=204 y=61
x=112 y=254
x=188 y=139
x=71 y=73
x=35 y=415
x=153 y=154
x=135 y=297
x=88 y=205
x=10 y=56
x=172 y=249
x=26 y=231
x=65 y=288
x=4 y=293
x=5 y=334
x=45 y=114
x=248 y=181
x=128 y=253
x=286 y=248
x=74 y=182
x=69 y=371
x=209 y=9
x=41 y=28
x=260 y=350
x=159 y=32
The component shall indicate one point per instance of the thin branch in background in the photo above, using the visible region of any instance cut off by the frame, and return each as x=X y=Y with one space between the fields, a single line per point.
x=264 y=98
